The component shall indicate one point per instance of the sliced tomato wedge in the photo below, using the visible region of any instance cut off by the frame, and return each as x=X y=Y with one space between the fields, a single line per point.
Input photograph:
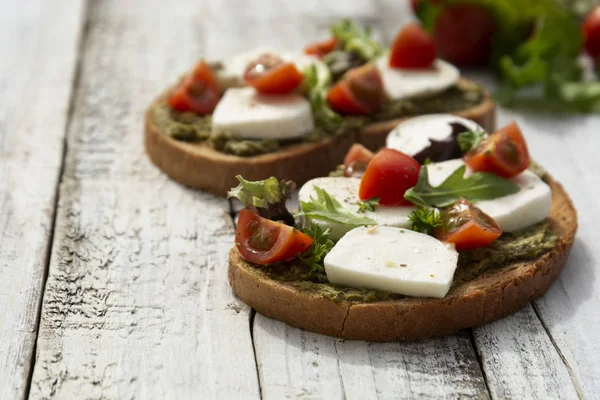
x=359 y=92
x=412 y=48
x=270 y=74
x=322 y=48
x=467 y=226
x=356 y=160
x=389 y=174
x=198 y=92
x=263 y=241
x=503 y=153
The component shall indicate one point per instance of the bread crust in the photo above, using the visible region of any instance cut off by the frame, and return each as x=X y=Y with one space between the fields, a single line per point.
x=199 y=166
x=490 y=296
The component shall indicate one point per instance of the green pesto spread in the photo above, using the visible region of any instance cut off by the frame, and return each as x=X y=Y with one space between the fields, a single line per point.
x=190 y=127
x=508 y=249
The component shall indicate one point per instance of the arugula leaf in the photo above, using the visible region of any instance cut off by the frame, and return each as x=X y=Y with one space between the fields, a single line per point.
x=479 y=186
x=314 y=256
x=327 y=208
x=356 y=39
x=316 y=86
x=266 y=197
x=368 y=205
x=471 y=138
x=424 y=219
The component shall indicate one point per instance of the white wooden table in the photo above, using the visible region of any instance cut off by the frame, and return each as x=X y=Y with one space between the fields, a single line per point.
x=113 y=278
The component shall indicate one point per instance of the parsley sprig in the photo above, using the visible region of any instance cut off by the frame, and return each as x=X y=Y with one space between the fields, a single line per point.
x=314 y=256
x=425 y=219
x=316 y=84
x=368 y=205
x=355 y=38
x=470 y=139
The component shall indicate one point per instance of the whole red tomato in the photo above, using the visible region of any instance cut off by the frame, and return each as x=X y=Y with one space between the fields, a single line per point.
x=591 y=33
x=463 y=34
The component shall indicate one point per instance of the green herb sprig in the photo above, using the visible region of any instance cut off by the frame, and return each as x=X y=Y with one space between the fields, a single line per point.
x=326 y=208
x=355 y=38
x=479 y=186
x=314 y=256
x=368 y=205
x=425 y=219
x=470 y=139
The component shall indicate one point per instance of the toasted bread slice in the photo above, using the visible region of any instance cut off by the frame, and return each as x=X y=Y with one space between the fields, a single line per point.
x=490 y=296
x=199 y=166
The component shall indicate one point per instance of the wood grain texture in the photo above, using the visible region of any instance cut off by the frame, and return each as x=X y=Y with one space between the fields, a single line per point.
x=520 y=361
x=38 y=48
x=567 y=147
x=295 y=363
x=136 y=303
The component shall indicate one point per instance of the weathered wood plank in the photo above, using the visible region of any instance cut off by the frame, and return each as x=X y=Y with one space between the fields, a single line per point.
x=520 y=361
x=137 y=303
x=294 y=363
x=38 y=53
x=567 y=147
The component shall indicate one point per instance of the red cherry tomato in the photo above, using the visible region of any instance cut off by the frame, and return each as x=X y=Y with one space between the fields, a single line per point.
x=463 y=34
x=389 y=174
x=503 y=153
x=320 y=49
x=356 y=160
x=412 y=47
x=269 y=74
x=359 y=92
x=591 y=32
x=358 y=152
x=467 y=226
x=198 y=92
x=263 y=241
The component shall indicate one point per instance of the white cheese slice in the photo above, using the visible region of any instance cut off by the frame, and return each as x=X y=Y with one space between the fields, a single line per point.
x=413 y=135
x=232 y=72
x=516 y=211
x=405 y=83
x=345 y=190
x=392 y=259
x=248 y=114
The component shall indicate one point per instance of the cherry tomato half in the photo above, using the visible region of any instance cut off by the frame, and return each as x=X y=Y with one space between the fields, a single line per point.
x=320 y=49
x=412 y=47
x=198 y=92
x=360 y=91
x=269 y=74
x=263 y=241
x=356 y=160
x=591 y=32
x=503 y=153
x=463 y=34
x=389 y=174
x=466 y=226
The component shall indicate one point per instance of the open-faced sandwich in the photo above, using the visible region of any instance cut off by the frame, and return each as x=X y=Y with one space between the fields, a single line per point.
x=293 y=115
x=445 y=228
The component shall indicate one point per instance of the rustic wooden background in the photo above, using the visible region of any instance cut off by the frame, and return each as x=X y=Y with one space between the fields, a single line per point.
x=113 y=278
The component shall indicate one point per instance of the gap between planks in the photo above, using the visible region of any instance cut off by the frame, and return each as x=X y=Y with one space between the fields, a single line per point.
x=74 y=86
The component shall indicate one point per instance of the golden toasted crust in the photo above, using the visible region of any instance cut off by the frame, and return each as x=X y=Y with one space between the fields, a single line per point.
x=490 y=296
x=199 y=166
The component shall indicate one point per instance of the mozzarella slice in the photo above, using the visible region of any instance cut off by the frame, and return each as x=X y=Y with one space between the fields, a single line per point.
x=248 y=114
x=345 y=190
x=405 y=83
x=392 y=259
x=232 y=72
x=516 y=211
x=413 y=135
